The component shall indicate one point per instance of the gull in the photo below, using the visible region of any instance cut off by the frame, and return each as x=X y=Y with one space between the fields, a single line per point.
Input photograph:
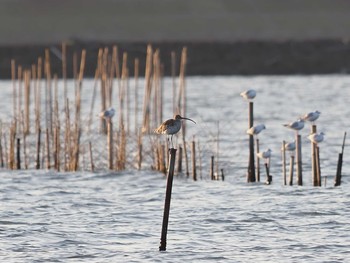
x=171 y=126
x=248 y=94
x=311 y=116
x=107 y=114
x=289 y=146
x=316 y=137
x=264 y=155
x=296 y=125
x=255 y=130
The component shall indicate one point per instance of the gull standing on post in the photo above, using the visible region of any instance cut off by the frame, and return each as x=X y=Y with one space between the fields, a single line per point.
x=265 y=155
x=311 y=116
x=248 y=94
x=316 y=137
x=171 y=126
x=255 y=130
x=296 y=125
x=289 y=146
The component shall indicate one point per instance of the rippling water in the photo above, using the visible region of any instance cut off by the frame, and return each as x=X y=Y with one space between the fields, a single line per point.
x=116 y=217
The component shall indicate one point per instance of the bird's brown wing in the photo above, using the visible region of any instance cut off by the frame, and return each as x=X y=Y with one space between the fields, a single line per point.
x=163 y=127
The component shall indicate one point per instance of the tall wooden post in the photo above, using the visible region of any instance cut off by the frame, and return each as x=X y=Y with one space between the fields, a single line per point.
x=291 y=170
x=337 y=180
x=169 y=186
x=251 y=166
x=299 y=160
x=212 y=176
x=284 y=170
x=318 y=165
x=194 y=171
x=313 y=159
x=110 y=143
x=18 y=163
x=257 y=161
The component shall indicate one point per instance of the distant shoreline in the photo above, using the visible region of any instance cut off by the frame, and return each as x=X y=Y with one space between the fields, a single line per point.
x=325 y=56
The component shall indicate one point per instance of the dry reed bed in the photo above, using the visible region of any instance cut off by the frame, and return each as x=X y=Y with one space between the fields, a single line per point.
x=48 y=130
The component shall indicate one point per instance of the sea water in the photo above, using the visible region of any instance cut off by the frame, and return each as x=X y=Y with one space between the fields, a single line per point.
x=105 y=216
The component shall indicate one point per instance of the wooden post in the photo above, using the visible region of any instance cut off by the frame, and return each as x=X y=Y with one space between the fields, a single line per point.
x=194 y=171
x=179 y=161
x=18 y=153
x=47 y=149
x=251 y=166
x=318 y=165
x=299 y=160
x=313 y=159
x=38 y=142
x=110 y=143
x=291 y=169
x=284 y=170
x=139 y=161
x=257 y=161
x=212 y=168
x=91 y=158
x=337 y=181
x=169 y=186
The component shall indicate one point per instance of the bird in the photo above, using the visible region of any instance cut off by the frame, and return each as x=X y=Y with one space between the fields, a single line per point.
x=316 y=137
x=248 y=94
x=255 y=130
x=289 y=146
x=296 y=125
x=311 y=116
x=107 y=114
x=264 y=155
x=171 y=126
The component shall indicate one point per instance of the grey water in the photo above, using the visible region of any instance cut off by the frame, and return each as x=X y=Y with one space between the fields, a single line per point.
x=46 y=216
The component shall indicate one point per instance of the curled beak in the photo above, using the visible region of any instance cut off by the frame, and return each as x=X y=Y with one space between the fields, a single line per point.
x=188 y=119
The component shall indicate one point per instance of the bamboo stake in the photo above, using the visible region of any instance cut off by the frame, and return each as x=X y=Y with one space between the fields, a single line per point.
x=251 y=166
x=194 y=171
x=14 y=92
x=179 y=163
x=92 y=166
x=170 y=176
x=26 y=101
x=284 y=170
x=110 y=143
x=136 y=78
x=139 y=163
x=48 y=158
x=257 y=161
x=291 y=169
x=1 y=150
x=148 y=88
x=313 y=158
x=64 y=70
x=38 y=142
x=18 y=154
x=299 y=160
x=212 y=176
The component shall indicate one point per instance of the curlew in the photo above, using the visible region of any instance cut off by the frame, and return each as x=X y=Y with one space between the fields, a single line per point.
x=171 y=126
